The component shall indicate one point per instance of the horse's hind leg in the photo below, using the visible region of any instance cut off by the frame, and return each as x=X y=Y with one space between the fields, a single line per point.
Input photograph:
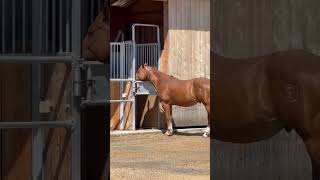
x=207 y=131
x=313 y=147
x=168 y=118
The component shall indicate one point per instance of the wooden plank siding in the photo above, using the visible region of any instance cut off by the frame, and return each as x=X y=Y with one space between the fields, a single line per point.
x=188 y=51
x=244 y=28
x=15 y=106
x=57 y=152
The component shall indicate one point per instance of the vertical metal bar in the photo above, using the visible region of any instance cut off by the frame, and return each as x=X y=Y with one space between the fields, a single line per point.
x=76 y=130
x=121 y=64
x=13 y=26
x=76 y=25
x=46 y=27
x=37 y=134
x=121 y=112
x=92 y=11
x=153 y=55
x=3 y=26
x=126 y=60
x=24 y=26
x=54 y=26
x=133 y=85
x=111 y=59
x=76 y=51
x=144 y=54
x=60 y=26
x=149 y=55
x=118 y=60
x=68 y=25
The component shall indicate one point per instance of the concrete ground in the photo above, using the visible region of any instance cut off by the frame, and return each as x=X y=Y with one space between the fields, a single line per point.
x=142 y=156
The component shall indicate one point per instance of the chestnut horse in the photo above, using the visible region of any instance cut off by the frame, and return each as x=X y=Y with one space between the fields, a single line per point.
x=254 y=98
x=96 y=44
x=173 y=91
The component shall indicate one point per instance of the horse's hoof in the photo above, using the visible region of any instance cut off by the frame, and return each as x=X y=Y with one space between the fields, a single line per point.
x=168 y=133
x=205 y=135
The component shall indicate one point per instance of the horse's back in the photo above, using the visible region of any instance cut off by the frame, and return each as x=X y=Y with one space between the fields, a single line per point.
x=242 y=99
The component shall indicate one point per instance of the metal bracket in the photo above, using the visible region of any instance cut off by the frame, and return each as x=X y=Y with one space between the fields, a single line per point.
x=45 y=106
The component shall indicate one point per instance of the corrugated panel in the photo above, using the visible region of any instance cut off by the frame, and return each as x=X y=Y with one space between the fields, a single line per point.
x=283 y=156
x=251 y=28
x=189 y=51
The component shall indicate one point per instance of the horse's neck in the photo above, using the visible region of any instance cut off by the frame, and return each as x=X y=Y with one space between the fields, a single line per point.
x=156 y=76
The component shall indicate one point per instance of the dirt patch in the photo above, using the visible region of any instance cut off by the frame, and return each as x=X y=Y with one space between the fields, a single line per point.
x=155 y=156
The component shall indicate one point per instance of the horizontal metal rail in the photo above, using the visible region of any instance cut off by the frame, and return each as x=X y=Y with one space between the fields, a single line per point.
x=37 y=59
x=94 y=102
x=119 y=101
x=37 y=124
x=121 y=80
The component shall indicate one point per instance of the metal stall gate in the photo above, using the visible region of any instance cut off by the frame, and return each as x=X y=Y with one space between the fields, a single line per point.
x=39 y=32
x=126 y=58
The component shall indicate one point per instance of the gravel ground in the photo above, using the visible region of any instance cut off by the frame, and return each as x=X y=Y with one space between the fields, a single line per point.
x=155 y=156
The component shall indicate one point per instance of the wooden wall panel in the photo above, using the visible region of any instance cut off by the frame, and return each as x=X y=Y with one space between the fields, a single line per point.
x=57 y=158
x=15 y=106
x=188 y=56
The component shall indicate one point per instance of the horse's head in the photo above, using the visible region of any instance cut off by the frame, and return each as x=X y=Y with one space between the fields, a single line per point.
x=143 y=72
x=95 y=45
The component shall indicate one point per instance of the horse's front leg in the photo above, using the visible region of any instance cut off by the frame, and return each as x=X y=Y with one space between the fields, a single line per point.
x=167 y=109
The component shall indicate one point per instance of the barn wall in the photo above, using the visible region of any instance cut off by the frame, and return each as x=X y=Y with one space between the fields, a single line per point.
x=188 y=51
x=244 y=28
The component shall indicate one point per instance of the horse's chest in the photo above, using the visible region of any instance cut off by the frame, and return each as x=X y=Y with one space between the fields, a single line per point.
x=163 y=96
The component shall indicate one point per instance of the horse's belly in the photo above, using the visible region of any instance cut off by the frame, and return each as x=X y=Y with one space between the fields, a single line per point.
x=184 y=102
x=248 y=133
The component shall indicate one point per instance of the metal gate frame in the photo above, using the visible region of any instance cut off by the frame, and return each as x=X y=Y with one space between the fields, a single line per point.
x=35 y=59
x=131 y=62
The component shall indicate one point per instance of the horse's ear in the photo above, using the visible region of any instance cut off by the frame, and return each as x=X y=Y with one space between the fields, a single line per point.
x=145 y=64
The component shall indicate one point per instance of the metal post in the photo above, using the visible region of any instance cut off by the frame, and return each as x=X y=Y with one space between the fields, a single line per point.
x=3 y=19
x=37 y=134
x=133 y=86
x=13 y=10
x=121 y=64
x=76 y=52
x=76 y=131
x=24 y=8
